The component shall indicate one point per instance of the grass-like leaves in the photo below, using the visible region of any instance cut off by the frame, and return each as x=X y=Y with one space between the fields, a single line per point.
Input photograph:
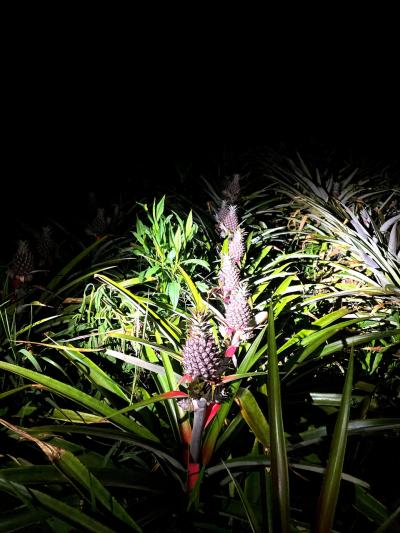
x=331 y=485
x=279 y=462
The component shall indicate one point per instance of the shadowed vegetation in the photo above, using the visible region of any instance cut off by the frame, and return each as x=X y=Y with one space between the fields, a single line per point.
x=220 y=361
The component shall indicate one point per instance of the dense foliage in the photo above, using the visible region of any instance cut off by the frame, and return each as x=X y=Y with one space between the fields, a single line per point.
x=223 y=363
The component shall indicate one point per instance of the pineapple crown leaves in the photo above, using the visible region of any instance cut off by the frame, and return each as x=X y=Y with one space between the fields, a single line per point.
x=201 y=320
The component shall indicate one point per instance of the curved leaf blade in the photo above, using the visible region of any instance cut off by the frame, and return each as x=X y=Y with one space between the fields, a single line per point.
x=279 y=462
x=83 y=399
x=331 y=484
x=193 y=289
x=254 y=416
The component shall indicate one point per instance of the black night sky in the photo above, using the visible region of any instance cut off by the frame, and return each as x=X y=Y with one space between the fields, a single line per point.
x=81 y=120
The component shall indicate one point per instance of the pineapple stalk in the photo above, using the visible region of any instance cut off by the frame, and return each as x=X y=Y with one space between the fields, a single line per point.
x=200 y=407
x=203 y=362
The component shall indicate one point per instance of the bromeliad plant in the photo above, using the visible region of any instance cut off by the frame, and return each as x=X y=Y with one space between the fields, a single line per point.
x=204 y=361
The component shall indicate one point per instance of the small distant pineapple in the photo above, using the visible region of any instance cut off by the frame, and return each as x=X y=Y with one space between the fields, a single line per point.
x=232 y=189
x=21 y=266
x=201 y=356
x=46 y=247
x=100 y=224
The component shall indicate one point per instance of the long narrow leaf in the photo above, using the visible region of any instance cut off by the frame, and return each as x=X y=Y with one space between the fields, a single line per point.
x=137 y=361
x=82 y=399
x=68 y=513
x=67 y=268
x=25 y=519
x=250 y=513
x=331 y=484
x=140 y=304
x=144 y=342
x=75 y=470
x=253 y=415
x=193 y=289
x=47 y=505
x=78 y=473
x=153 y=399
x=111 y=434
x=93 y=372
x=279 y=463
x=249 y=463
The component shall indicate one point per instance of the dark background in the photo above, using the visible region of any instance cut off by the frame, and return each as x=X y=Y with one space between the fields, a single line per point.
x=128 y=121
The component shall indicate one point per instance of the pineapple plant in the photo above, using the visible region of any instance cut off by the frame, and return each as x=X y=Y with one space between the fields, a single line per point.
x=204 y=361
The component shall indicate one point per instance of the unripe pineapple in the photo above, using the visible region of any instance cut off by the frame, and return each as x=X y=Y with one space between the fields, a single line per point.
x=46 y=247
x=21 y=266
x=201 y=356
x=238 y=314
x=100 y=224
x=232 y=189
x=236 y=246
x=229 y=277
